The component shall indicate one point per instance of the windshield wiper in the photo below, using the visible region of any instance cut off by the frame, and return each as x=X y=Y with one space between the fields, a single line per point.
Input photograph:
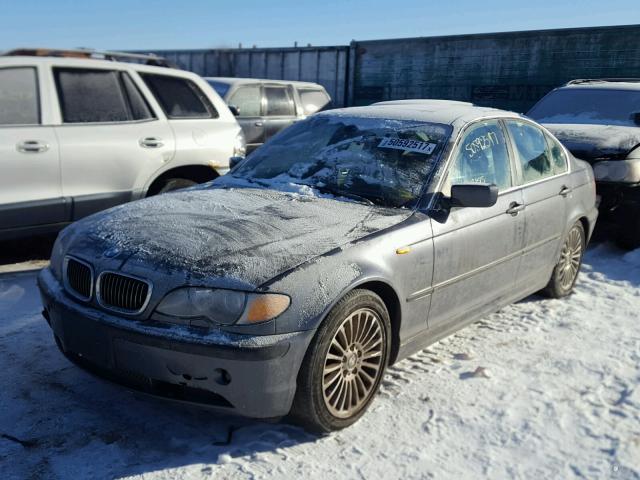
x=340 y=193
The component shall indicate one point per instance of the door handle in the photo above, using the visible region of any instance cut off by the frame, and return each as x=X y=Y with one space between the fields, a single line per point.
x=32 y=146
x=151 y=142
x=564 y=191
x=258 y=124
x=515 y=208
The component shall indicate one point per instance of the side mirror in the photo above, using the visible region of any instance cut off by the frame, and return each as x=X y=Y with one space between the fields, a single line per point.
x=235 y=110
x=233 y=161
x=635 y=116
x=474 y=195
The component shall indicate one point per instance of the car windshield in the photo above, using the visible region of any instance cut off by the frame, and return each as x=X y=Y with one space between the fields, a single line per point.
x=372 y=160
x=588 y=106
x=221 y=88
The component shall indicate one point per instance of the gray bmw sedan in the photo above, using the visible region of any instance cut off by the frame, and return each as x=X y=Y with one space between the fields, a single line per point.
x=349 y=241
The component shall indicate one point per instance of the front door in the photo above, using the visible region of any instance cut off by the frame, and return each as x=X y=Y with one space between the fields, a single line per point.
x=30 y=190
x=477 y=250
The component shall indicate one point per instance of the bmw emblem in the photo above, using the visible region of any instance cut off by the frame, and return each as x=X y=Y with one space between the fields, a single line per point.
x=112 y=252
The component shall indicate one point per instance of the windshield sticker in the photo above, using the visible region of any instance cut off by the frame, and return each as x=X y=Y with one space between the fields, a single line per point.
x=481 y=143
x=408 y=145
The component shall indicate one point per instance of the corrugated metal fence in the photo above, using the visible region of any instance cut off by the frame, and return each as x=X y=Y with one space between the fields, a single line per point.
x=507 y=70
x=324 y=65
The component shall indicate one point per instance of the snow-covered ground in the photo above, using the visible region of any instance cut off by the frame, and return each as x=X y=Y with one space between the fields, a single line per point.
x=542 y=389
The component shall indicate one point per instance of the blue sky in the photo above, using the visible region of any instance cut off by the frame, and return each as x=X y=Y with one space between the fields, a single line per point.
x=131 y=24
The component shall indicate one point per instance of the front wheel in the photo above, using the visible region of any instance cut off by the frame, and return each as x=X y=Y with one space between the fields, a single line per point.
x=345 y=362
x=566 y=271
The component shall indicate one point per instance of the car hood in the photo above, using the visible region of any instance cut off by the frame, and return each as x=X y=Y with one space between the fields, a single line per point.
x=597 y=142
x=237 y=238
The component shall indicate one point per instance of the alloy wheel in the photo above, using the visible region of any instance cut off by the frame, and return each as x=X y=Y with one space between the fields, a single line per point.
x=570 y=258
x=353 y=363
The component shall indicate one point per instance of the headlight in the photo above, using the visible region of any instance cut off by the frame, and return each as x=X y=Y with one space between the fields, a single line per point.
x=55 y=261
x=222 y=307
x=240 y=145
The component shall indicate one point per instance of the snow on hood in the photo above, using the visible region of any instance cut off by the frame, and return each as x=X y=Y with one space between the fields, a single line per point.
x=245 y=235
x=590 y=142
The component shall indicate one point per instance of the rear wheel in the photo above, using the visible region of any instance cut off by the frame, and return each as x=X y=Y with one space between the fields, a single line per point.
x=345 y=362
x=566 y=271
x=176 y=184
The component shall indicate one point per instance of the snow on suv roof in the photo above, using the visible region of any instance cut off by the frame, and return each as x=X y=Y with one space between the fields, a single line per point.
x=241 y=80
x=605 y=84
x=448 y=112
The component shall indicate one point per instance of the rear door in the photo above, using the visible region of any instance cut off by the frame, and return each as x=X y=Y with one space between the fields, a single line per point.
x=477 y=250
x=280 y=109
x=111 y=141
x=542 y=172
x=248 y=100
x=30 y=188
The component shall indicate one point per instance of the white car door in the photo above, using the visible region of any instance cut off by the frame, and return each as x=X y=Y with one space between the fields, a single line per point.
x=30 y=189
x=111 y=140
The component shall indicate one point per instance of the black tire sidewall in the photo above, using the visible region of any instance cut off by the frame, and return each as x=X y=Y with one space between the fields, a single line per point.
x=175 y=184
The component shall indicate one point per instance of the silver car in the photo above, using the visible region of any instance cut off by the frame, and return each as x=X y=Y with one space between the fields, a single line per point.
x=348 y=242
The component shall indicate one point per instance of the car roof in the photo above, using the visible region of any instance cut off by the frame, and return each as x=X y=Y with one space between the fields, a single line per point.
x=448 y=112
x=242 y=81
x=16 y=60
x=603 y=84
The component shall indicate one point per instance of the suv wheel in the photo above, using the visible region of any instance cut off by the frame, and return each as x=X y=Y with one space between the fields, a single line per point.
x=176 y=184
x=629 y=234
x=344 y=364
x=566 y=271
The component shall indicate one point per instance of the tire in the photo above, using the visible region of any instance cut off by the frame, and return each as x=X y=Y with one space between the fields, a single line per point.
x=176 y=184
x=344 y=364
x=566 y=271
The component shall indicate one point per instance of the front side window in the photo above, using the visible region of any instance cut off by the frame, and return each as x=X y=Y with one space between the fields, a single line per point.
x=179 y=97
x=89 y=96
x=386 y=162
x=137 y=104
x=279 y=102
x=248 y=100
x=532 y=151
x=313 y=100
x=482 y=157
x=582 y=105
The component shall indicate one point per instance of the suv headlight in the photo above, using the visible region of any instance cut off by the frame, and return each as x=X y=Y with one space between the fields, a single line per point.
x=222 y=307
x=240 y=145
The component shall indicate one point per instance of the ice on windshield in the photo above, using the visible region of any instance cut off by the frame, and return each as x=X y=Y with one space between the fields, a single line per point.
x=381 y=161
x=588 y=106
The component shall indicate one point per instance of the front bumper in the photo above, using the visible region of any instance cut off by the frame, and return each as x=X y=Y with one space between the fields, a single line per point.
x=245 y=374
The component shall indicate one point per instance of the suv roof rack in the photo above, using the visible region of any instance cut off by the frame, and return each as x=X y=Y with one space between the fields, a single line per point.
x=146 y=59
x=580 y=81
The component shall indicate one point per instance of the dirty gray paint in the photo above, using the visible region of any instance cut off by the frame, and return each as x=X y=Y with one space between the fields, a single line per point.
x=324 y=65
x=505 y=70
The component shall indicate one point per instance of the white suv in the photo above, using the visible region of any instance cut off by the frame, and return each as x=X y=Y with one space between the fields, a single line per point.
x=78 y=135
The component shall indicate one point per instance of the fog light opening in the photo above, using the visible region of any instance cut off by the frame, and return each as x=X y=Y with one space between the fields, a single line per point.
x=221 y=376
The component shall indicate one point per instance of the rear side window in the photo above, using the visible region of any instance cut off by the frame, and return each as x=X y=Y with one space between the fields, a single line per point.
x=313 y=100
x=179 y=97
x=279 y=102
x=558 y=157
x=248 y=100
x=90 y=96
x=19 y=103
x=533 y=151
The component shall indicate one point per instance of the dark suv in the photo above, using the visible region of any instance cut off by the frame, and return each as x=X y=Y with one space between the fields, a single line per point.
x=599 y=121
x=264 y=107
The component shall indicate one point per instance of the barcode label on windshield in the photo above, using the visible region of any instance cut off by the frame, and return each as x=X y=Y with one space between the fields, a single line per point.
x=407 y=145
